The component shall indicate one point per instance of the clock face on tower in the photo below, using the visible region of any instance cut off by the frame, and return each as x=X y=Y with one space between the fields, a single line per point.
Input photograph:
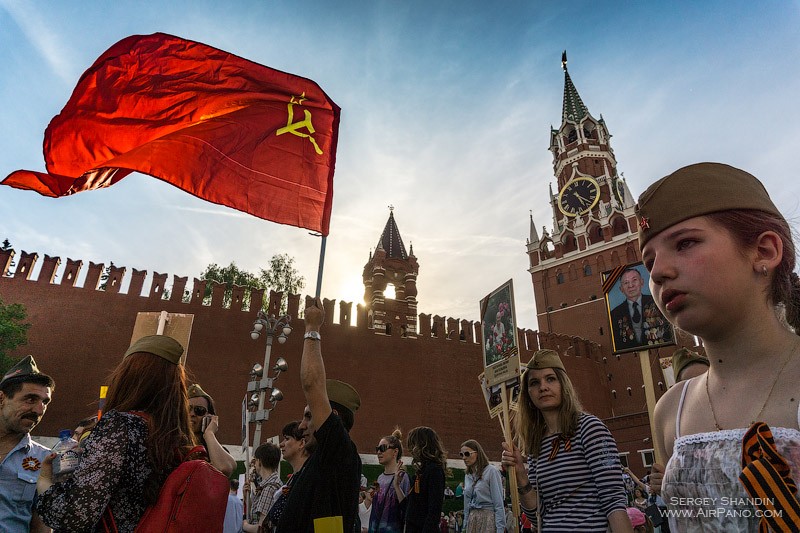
x=578 y=196
x=619 y=191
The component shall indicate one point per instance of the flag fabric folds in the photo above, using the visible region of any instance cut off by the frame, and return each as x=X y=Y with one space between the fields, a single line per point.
x=225 y=129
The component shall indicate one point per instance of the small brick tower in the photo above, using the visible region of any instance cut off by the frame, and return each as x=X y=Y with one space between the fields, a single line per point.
x=390 y=264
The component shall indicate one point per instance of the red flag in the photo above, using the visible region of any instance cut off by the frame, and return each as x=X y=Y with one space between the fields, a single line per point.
x=223 y=128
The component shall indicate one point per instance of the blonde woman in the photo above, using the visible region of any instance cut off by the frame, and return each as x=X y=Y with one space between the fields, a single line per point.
x=572 y=478
x=483 y=491
x=393 y=485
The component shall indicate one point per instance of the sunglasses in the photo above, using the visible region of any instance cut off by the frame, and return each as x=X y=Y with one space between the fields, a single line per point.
x=383 y=447
x=199 y=410
x=464 y=455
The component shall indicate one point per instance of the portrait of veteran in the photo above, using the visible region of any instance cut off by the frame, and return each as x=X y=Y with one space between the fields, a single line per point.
x=637 y=322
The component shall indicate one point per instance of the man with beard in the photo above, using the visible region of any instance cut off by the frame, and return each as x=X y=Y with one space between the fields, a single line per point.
x=24 y=396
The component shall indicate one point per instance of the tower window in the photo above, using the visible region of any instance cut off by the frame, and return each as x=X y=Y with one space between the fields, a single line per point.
x=587 y=270
x=560 y=278
x=572 y=136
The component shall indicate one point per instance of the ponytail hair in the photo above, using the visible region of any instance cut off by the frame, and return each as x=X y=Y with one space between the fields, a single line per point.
x=395 y=440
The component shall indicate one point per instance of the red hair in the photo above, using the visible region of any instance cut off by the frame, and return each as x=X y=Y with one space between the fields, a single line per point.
x=148 y=383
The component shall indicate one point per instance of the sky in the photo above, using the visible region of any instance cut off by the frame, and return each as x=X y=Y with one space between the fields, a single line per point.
x=446 y=115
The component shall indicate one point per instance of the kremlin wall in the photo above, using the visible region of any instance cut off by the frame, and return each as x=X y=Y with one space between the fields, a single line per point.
x=428 y=377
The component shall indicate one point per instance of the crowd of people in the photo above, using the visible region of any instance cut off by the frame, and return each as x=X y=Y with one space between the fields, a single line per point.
x=721 y=263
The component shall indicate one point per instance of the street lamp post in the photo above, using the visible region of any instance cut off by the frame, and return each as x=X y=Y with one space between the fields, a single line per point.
x=271 y=326
x=260 y=383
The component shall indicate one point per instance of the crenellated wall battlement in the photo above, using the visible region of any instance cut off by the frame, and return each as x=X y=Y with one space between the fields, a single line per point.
x=79 y=332
x=243 y=299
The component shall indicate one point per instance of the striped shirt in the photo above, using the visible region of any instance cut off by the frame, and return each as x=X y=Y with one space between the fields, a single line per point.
x=580 y=487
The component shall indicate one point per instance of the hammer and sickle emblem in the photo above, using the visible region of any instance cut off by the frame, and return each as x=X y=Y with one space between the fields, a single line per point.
x=294 y=127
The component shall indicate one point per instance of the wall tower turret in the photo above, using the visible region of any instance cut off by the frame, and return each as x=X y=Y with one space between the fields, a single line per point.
x=391 y=265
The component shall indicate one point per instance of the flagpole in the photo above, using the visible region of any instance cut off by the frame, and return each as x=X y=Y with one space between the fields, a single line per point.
x=321 y=264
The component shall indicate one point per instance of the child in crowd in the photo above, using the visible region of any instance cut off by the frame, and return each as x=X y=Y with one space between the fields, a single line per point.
x=721 y=260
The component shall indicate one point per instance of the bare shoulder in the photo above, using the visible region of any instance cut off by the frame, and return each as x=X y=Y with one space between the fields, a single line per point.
x=664 y=421
x=782 y=408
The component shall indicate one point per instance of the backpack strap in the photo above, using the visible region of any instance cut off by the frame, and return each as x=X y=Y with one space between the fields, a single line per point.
x=107 y=522
x=197 y=452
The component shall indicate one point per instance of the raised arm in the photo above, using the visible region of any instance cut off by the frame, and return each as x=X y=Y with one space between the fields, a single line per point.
x=312 y=367
x=636 y=480
x=217 y=455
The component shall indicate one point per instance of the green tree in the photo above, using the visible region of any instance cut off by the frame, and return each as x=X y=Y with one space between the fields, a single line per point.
x=230 y=275
x=281 y=276
x=13 y=333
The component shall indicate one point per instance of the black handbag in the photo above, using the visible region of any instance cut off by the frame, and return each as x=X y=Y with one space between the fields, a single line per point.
x=653 y=512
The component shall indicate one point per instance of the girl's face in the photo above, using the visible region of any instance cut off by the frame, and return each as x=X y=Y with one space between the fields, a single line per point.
x=469 y=455
x=198 y=408
x=701 y=279
x=544 y=389
x=388 y=454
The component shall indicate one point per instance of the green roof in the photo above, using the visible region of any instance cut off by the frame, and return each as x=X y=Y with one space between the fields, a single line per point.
x=574 y=109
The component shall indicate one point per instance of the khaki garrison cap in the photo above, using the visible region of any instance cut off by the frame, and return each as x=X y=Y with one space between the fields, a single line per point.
x=343 y=394
x=697 y=190
x=545 y=359
x=160 y=345
x=196 y=391
x=683 y=357
x=26 y=368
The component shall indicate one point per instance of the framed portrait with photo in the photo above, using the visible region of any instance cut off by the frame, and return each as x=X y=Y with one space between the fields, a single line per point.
x=634 y=319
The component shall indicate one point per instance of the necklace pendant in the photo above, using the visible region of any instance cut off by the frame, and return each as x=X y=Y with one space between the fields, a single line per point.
x=716 y=425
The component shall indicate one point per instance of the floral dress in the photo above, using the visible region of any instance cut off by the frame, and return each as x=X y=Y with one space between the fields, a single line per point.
x=701 y=484
x=112 y=472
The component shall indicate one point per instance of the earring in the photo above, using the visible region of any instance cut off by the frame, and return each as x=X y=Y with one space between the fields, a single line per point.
x=764 y=270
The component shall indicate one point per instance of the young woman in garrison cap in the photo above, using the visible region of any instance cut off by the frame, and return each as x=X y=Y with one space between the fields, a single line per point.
x=721 y=262
x=571 y=479
x=128 y=455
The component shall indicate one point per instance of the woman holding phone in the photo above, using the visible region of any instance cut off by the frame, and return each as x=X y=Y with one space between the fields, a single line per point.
x=143 y=435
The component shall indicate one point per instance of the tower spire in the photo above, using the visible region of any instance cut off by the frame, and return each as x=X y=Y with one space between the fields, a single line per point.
x=574 y=109
x=390 y=240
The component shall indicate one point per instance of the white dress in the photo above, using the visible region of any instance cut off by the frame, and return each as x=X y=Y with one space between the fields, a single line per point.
x=701 y=484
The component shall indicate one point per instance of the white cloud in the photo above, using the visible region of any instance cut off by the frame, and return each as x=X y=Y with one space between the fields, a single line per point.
x=43 y=37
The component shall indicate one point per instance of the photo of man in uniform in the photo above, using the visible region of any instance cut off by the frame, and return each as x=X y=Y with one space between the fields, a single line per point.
x=637 y=323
